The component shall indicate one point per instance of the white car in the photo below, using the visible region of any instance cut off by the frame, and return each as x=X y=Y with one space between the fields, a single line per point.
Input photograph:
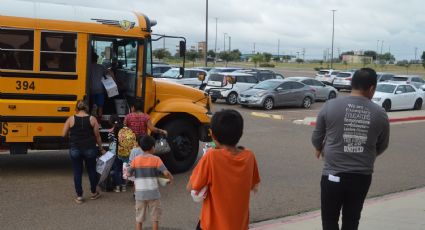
x=219 y=88
x=326 y=76
x=398 y=96
x=343 y=80
x=190 y=77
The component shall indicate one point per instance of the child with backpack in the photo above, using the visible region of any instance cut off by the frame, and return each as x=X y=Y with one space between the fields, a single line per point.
x=117 y=167
x=229 y=173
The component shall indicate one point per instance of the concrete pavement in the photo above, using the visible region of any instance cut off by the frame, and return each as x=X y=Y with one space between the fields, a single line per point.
x=398 y=211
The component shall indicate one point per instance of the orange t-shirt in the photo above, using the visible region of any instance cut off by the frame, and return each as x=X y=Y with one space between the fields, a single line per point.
x=230 y=179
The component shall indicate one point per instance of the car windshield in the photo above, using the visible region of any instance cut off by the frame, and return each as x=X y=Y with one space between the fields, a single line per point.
x=385 y=88
x=399 y=79
x=267 y=85
x=172 y=73
x=216 y=77
x=343 y=75
x=323 y=72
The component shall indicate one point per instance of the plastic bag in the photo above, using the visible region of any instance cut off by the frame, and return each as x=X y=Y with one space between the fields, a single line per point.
x=162 y=146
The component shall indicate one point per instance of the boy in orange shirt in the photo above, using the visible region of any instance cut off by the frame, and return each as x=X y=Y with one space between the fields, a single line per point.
x=230 y=173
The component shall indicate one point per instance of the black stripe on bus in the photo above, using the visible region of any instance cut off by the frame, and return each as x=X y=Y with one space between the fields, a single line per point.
x=30 y=119
x=40 y=97
x=40 y=75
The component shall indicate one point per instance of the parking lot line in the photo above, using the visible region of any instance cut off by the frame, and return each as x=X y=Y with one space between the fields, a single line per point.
x=266 y=115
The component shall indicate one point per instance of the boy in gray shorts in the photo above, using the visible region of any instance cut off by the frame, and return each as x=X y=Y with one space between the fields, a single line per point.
x=147 y=168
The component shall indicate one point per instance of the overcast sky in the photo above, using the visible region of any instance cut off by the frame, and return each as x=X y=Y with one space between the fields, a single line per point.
x=298 y=24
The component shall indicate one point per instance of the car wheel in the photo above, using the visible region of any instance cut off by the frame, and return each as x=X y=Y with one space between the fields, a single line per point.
x=232 y=98
x=387 y=105
x=332 y=95
x=307 y=102
x=268 y=103
x=184 y=142
x=418 y=104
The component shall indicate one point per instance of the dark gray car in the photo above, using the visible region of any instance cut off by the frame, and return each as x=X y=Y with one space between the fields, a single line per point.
x=272 y=93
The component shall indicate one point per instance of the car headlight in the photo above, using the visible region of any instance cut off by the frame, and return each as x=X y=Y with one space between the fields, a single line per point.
x=260 y=94
x=376 y=99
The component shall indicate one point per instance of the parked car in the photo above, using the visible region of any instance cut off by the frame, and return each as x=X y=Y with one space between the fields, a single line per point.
x=397 y=96
x=158 y=69
x=385 y=77
x=190 y=78
x=415 y=80
x=323 y=92
x=272 y=93
x=262 y=74
x=207 y=69
x=219 y=88
x=326 y=76
x=343 y=80
x=223 y=69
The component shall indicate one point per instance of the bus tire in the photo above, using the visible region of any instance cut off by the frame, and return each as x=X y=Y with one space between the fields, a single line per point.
x=18 y=148
x=184 y=142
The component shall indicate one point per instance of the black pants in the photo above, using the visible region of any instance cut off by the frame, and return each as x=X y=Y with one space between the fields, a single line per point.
x=348 y=194
x=198 y=227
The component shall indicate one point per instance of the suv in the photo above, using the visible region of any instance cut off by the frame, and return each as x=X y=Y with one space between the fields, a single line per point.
x=223 y=69
x=218 y=87
x=415 y=80
x=190 y=77
x=343 y=80
x=327 y=76
x=158 y=69
x=384 y=77
x=262 y=74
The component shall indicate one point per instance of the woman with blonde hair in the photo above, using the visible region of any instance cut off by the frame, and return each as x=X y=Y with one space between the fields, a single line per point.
x=83 y=132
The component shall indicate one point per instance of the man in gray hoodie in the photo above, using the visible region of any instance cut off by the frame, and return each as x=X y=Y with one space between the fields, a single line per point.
x=350 y=133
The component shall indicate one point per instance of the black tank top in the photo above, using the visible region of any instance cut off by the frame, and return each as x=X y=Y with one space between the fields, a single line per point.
x=81 y=134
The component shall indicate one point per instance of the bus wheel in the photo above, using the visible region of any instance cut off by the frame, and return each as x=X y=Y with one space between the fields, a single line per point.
x=18 y=148
x=184 y=142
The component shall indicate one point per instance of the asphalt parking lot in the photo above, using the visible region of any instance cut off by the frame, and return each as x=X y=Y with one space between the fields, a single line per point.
x=37 y=190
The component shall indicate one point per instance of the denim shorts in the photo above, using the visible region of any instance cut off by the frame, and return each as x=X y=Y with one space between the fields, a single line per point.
x=99 y=99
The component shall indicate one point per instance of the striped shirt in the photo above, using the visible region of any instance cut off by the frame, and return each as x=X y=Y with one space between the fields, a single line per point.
x=147 y=168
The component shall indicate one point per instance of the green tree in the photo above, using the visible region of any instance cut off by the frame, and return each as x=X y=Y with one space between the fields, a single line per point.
x=371 y=53
x=267 y=57
x=423 y=59
x=211 y=54
x=192 y=55
x=225 y=56
x=299 y=60
x=387 y=57
x=257 y=59
x=235 y=55
x=161 y=53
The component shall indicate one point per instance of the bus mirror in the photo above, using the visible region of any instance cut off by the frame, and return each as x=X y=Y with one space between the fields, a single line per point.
x=231 y=80
x=181 y=69
x=182 y=49
x=201 y=77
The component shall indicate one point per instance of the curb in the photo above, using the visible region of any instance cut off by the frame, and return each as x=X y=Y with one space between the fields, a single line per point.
x=311 y=121
x=272 y=224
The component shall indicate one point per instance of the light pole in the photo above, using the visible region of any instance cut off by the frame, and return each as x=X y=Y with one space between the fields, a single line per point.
x=215 y=46
x=224 y=42
x=206 y=34
x=333 y=37
x=230 y=43
x=377 y=50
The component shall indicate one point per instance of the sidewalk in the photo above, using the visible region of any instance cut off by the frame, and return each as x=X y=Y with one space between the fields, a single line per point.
x=398 y=211
x=394 y=117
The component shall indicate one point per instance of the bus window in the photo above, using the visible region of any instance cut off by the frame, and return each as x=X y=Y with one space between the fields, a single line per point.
x=16 y=49
x=58 y=52
x=149 y=59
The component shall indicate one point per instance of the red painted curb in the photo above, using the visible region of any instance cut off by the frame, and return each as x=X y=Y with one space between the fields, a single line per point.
x=392 y=120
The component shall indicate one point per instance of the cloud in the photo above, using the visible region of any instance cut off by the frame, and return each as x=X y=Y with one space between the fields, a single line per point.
x=298 y=24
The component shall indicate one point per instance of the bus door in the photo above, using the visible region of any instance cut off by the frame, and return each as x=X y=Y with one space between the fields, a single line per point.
x=118 y=58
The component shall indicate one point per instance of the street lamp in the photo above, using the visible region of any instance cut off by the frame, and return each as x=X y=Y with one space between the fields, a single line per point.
x=333 y=37
x=224 y=42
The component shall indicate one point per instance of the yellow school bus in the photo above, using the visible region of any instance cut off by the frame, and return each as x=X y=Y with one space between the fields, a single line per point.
x=45 y=64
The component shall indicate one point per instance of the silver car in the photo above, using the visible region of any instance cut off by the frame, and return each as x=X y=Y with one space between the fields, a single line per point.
x=272 y=93
x=415 y=80
x=323 y=92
